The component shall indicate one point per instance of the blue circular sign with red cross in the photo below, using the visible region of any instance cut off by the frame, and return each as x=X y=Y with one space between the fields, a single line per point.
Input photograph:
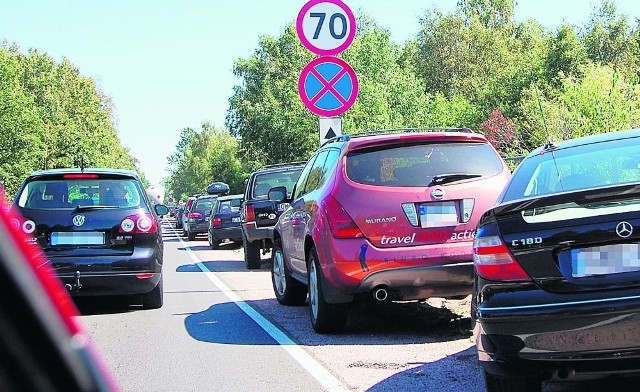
x=328 y=86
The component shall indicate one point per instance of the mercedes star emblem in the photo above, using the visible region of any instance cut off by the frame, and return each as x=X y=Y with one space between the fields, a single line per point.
x=624 y=229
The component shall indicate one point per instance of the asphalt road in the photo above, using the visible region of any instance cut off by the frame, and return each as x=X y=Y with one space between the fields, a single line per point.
x=221 y=329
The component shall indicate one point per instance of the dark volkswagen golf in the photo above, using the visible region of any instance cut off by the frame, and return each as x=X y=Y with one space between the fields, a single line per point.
x=98 y=231
x=557 y=286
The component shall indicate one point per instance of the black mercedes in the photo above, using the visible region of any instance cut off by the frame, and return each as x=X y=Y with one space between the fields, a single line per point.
x=557 y=261
x=98 y=230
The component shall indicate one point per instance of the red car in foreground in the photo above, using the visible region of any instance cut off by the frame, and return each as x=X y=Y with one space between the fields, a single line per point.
x=44 y=347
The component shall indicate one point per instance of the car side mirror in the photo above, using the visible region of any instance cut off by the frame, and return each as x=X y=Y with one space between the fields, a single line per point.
x=278 y=193
x=161 y=209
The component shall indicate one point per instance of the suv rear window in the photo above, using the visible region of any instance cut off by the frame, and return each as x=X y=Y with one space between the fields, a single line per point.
x=416 y=165
x=62 y=193
x=266 y=181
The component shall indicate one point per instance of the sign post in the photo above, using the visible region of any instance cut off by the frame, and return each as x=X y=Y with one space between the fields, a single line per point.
x=328 y=85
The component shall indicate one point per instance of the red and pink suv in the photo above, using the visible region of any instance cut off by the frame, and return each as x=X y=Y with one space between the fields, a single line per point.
x=390 y=215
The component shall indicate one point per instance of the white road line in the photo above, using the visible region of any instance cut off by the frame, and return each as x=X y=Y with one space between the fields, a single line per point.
x=313 y=367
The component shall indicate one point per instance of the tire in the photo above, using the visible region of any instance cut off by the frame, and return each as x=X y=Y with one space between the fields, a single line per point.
x=191 y=236
x=154 y=298
x=251 y=254
x=288 y=291
x=214 y=244
x=509 y=384
x=325 y=317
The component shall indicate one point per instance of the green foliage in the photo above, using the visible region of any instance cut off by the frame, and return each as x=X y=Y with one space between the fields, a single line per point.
x=601 y=101
x=204 y=157
x=51 y=117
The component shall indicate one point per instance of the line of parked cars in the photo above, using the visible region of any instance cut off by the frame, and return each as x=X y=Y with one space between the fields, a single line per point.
x=550 y=254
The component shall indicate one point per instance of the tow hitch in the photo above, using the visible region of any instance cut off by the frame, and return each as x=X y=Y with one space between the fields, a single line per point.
x=76 y=285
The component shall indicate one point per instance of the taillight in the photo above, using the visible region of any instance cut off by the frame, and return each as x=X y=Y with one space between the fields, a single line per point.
x=79 y=176
x=26 y=225
x=340 y=223
x=194 y=215
x=216 y=222
x=494 y=261
x=141 y=223
x=250 y=214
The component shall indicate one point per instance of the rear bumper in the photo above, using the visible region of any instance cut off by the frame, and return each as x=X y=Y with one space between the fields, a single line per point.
x=137 y=273
x=96 y=284
x=230 y=233
x=253 y=233
x=579 y=337
x=354 y=266
x=196 y=228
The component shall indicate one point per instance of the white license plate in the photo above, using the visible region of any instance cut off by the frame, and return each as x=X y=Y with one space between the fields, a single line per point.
x=77 y=238
x=235 y=220
x=605 y=260
x=283 y=206
x=438 y=214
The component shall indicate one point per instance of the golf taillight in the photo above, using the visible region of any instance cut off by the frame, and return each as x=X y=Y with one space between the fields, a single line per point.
x=141 y=223
x=27 y=226
x=216 y=222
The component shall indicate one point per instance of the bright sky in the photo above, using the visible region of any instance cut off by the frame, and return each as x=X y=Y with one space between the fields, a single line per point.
x=167 y=65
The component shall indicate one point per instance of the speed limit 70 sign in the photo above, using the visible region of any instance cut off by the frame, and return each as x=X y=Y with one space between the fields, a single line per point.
x=326 y=27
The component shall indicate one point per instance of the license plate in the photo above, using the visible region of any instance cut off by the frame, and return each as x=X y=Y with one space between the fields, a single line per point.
x=283 y=206
x=234 y=220
x=605 y=260
x=77 y=238
x=438 y=214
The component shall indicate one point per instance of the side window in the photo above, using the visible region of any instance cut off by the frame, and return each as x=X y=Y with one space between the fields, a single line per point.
x=302 y=180
x=329 y=164
x=315 y=174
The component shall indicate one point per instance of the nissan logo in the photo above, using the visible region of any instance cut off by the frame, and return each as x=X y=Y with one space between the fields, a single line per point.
x=624 y=229
x=437 y=193
x=78 y=220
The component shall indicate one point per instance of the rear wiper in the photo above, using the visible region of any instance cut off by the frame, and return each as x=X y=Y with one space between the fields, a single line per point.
x=446 y=178
x=98 y=207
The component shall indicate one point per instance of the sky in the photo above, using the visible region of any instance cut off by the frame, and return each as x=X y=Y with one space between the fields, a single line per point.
x=167 y=65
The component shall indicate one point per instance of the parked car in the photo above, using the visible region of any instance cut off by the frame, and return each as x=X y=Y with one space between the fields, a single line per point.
x=181 y=217
x=98 y=230
x=558 y=266
x=224 y=223
x=44 y=347
x=388 y=216
x=196 y=217
x=258 y=213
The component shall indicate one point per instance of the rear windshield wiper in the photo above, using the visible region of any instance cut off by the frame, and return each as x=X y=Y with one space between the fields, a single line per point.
x=446 y=178
x=97 y=207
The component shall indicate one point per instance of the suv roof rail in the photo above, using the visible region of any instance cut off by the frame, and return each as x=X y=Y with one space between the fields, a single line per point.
x=346 y=138
x=416 y=130
x=283 y=164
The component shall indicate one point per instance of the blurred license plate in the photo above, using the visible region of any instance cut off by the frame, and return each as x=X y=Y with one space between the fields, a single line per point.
x=77 y=238
x=605 y=260
x=235 y=219
x=283 y=206
x=438 y=214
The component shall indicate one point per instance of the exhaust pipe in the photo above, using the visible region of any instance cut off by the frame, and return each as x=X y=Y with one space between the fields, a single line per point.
x=380 y=294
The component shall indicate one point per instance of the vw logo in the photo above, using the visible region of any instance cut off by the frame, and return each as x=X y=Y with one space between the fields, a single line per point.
x=437 y=193
x=78 y=220
x=624 y=229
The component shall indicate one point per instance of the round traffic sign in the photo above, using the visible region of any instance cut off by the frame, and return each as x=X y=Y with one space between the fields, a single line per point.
x=328 y=86
x=326 y=27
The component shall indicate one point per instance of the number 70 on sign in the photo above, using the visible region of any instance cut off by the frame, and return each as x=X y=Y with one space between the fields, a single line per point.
x=326 y=27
